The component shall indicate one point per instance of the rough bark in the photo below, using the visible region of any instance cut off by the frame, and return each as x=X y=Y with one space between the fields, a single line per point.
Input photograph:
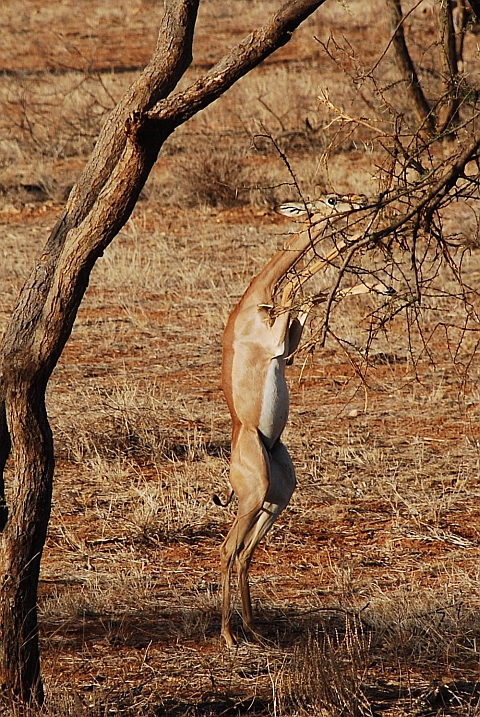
x=21 y=550
x=97 y=208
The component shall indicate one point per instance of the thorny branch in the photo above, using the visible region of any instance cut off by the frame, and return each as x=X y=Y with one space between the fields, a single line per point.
x=405 y=224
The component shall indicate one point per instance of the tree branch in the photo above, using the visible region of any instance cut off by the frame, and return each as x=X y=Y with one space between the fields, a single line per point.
x=249 y=53
x=172 y=57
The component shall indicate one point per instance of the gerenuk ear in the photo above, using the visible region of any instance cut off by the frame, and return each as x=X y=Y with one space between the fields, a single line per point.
x=292 y=209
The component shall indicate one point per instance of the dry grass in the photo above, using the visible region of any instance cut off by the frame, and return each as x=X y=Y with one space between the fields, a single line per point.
x=366 y=591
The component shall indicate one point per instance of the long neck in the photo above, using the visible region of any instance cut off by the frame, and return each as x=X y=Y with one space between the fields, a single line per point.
x=263 y=285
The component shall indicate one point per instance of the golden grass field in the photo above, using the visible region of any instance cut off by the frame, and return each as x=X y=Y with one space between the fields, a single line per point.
x=367 y=590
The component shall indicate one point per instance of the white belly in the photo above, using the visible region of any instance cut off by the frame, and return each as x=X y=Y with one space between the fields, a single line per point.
x=275 y=403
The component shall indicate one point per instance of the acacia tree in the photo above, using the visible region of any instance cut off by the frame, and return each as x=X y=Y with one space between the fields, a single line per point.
x=420 y=115
x=97 y=208
x=440 y=116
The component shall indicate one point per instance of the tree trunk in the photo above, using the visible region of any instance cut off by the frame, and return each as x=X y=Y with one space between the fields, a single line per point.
x=23 y=540
x=414 y=89
x=448 y=113
x=97 y=208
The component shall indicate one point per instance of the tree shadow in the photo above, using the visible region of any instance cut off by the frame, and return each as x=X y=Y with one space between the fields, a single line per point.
x=137 y=630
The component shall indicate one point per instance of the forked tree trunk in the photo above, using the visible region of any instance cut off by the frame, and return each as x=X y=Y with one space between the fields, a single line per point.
x=97 y=208
x=452 y=45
